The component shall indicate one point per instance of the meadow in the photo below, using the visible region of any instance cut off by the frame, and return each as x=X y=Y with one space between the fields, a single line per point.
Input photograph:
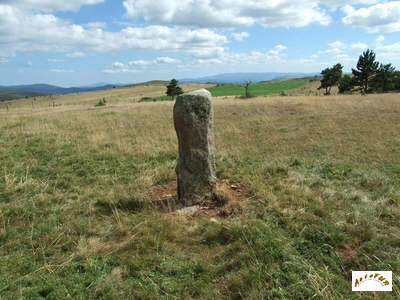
x=257 y=89
x=318 y=179
x=277 y=87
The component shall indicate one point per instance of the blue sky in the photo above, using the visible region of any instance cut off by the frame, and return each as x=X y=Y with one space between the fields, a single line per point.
x=80 y=42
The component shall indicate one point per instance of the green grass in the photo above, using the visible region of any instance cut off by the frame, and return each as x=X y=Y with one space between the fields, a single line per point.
x=321 y=177
x=257 y=89
x=156 y=99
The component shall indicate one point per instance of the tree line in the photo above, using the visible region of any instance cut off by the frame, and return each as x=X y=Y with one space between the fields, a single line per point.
x=369 y=76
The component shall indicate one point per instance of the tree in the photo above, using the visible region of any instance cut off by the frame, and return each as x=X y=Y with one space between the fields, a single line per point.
x=396 y=80
x=246 y=87
x=330 y=78
x=385 y=79
x=173 y=89
x=346 y=84
x=367 y=68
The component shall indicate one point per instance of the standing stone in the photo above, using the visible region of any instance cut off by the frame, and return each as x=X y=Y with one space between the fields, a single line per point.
x=194 y=125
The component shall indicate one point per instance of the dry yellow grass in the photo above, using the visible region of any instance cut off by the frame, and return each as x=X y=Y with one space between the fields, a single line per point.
x=115 y=97
x=321 y=174
x=338 y=126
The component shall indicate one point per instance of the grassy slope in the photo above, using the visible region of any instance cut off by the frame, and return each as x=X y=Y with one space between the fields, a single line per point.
x=87 y=100
x=324 y=199
x=10 y=95
x=256 y=89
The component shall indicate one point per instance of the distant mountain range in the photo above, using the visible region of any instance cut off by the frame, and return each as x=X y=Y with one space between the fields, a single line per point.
x=52 y=89
x=244 y=77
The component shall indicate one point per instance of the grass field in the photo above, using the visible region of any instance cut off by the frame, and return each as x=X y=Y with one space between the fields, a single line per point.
x=87 y=100
x=281 y=87
x=320 y=177
x=257 y=89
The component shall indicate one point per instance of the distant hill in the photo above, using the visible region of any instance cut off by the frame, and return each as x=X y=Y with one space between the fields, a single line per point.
x=22 y=91
x=96 y=85
x=152 y=82
x=52 y=89
x=244 y=77
x=10 y=95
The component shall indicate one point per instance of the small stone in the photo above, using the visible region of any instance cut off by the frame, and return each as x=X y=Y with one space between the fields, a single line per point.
x=214 y=220
x=188 y=211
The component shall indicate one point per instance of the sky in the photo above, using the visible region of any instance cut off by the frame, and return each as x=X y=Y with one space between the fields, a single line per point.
x=82 y=42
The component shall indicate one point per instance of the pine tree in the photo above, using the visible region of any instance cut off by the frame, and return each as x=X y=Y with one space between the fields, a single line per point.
x=384 y=81
x=330 y=78
x=346 y=84
x=367 y=68
x=173 y=89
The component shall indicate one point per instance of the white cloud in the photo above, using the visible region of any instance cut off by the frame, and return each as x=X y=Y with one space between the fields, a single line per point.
x=140 y=62
x=342 y=52
x=210 y=61
x=55 y=60
x=359 y=46
x=390 y=53
x=277 y=50
x=240 y=36
x=342 y=56
x=334 y=4
x=335 y=48
x=156 y=61
x=3 y=60
x=166 y=60
x=380 y=39
x=382 y=17
x=205 y=53
x=338 y=45
x=274 y=55
x=123 y=70
x=25 y=31
x=61 y=71
x=170 y=38
x=118 y=65
x=227 y=13
x=50 y=5
x=75 y=54
x=29 y=63
x=95 y=25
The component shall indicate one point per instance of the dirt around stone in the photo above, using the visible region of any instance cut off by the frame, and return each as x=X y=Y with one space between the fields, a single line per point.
x=229 y=201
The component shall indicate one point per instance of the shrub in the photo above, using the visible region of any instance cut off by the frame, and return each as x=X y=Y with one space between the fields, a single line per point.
x=102 y=102
x=346 y=84
x=155 y=99
x=146 y=99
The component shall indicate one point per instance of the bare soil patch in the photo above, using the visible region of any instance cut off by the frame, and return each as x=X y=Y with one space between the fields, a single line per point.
x=229 y=201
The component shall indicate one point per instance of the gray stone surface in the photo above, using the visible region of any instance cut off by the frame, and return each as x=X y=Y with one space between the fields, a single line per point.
x=194 y=125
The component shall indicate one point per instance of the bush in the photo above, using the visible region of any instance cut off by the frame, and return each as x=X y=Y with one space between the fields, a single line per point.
x=346 y=84
x=146 y=99
x=102 y=102
x=155 y=99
